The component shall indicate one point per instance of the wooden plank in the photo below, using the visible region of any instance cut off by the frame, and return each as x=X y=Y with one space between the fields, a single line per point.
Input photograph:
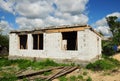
x=36 y=73
x=63 y=73
x=64 y=69
x=66 y=29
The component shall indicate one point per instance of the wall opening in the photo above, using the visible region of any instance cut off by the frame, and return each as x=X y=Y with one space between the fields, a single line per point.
x=23 y=41
x=69 y=40
x=38 y=41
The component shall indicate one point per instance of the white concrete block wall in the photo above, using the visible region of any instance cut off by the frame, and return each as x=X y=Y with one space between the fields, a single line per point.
x=52 y=47
x=94 y=46
x=13 y=44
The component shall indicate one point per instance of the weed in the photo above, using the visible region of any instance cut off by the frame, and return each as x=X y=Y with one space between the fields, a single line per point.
x=47 y=73
x=89 y=79
x=73 y=78
x=85 y=73
x=104 y=64
x=80 y=77
x=44 y=64
x=24 y=79
x=63 y=78
x=4 y=62
x=40 y=80
x=8 y=77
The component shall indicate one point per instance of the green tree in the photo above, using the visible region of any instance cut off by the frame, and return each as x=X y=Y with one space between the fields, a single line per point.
x=4 y=41
x=109 y=45
x=114 y=26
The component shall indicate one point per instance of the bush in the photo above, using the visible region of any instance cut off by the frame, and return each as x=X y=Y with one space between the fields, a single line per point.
x=44 y=64
x=89 y=79
x=4 y=62
x=4 y=41
x=107 y=47
x=63 y=78
x=105 y=64
x=8 y=77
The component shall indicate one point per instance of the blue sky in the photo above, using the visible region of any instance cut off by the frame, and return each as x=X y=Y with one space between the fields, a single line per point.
x=100 y=8
x=28 y=14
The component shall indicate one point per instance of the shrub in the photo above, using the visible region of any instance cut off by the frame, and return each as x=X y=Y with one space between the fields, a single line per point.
x=73 y=78
x=108 y=48
x=8 y=77
x=47 y=73
x=44 y=64
x=105 y=64
x=80 y=77
x=63 y=78
x=4 y=62
x=22 y=63
x=89 y=79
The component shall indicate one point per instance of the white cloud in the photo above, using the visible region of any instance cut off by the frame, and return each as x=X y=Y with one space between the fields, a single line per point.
x=71 y=6
x=101 y=25
x=40 y=13
x=7 y=5
x=114 y=14
x=34 y=9
x=26 y=23
x=5 y=27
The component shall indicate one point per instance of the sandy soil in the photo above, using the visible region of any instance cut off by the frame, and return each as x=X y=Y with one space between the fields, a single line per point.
x=117 y=56
x=96 y=76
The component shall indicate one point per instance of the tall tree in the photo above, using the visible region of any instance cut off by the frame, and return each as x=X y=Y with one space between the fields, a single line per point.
x=114 y=25
x=4 y=40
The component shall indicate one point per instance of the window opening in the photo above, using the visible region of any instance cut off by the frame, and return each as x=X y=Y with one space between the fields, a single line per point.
x=23 y=41
x=69 y=40
x=38 y=41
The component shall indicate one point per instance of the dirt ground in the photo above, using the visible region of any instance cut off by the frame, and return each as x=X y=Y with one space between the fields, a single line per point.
x=117 y=56
x=98 y=76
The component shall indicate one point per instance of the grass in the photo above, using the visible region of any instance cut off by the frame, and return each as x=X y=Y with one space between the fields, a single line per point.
x=104 y=64
x=89 y=79
x=47 y=73
x=75 y=78
x=8 y=77
x=85 y=73
x=7 y=65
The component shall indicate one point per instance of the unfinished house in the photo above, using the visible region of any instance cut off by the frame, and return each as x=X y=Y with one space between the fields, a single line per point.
x=79 y=44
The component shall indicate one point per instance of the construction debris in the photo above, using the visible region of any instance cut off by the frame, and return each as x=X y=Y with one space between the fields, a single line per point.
x=38 y=74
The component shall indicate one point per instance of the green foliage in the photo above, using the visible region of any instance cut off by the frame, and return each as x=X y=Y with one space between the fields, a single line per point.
x=22 y=63
x=89 y=79
x=47 y=73
x=63 y=78
x=114 y=26
x=104 y=64
x=72 y=78
x=8 y=77
x=44 y=64
x=40 y=80
x=4 y=62
x=4 y=40
x=107 y=47
x=80 y=77
x=85 y=73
